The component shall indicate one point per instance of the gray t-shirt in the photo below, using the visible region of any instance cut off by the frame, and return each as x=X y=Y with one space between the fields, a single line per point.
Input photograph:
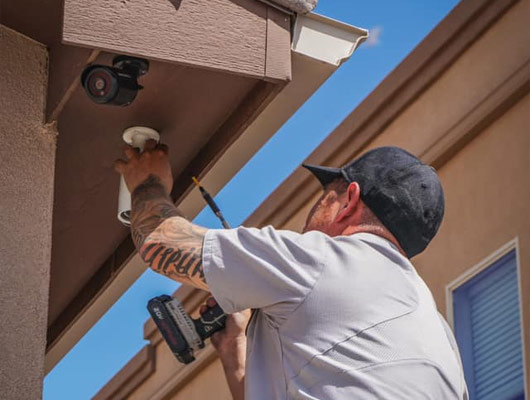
x=338 y=318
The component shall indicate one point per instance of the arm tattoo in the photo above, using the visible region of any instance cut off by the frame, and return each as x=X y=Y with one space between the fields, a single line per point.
x=168 y=243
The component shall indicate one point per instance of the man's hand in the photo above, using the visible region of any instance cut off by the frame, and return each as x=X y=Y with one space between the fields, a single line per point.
x=231 y=344
x=153 y=160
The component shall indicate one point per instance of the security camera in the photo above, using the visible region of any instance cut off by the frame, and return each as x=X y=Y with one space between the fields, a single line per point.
x=115 y=85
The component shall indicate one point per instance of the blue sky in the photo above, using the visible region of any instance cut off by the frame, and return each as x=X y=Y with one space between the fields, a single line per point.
x=396 y=28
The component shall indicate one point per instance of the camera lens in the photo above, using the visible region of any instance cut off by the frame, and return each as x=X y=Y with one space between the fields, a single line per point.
x=116 y=85
x=101 y=84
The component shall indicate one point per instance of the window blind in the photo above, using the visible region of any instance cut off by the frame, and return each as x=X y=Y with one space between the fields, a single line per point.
x=488 y=331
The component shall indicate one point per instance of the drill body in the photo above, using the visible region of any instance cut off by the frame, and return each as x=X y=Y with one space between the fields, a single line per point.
x=183 y=334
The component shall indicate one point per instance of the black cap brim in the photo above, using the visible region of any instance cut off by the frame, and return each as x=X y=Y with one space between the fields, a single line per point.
x=325 y=175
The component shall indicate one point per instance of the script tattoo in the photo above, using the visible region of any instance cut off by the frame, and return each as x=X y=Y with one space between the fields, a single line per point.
x=168 y=243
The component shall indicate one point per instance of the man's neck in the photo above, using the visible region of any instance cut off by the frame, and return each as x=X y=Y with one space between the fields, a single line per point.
x=375 y=230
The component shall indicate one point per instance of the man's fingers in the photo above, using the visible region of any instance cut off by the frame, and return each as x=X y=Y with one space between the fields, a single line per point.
x=211 y=302
x=119 y=166
x=150 y=144
x=130 y=152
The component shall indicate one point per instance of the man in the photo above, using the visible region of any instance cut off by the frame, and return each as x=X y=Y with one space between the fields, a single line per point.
x=340 y=312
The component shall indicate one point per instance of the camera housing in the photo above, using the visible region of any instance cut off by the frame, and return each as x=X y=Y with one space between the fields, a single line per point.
x=116 y=85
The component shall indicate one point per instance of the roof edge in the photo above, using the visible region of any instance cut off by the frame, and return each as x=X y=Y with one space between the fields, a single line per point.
x=294 y=6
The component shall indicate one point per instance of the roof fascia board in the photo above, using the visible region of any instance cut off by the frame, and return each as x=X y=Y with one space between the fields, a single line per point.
x=277 y=6
x=229 y=36
x=295 y=6
x=309 y=73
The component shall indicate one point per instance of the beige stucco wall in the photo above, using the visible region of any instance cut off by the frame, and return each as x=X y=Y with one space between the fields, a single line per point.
x=487 y=190
x=210 y=380
x=27 y=157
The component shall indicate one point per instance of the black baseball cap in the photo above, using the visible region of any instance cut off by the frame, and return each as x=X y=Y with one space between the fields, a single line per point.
x=403 y=192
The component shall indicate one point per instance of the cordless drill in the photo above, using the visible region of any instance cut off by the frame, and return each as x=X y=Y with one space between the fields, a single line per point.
x=183 y=334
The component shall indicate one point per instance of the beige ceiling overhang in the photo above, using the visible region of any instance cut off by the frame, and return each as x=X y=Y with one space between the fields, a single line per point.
x=224 y=76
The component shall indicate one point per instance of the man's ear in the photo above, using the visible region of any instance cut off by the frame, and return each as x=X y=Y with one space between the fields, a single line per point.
x=353 y=198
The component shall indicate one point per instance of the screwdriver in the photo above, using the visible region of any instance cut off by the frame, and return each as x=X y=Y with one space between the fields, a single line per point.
x=211 y=203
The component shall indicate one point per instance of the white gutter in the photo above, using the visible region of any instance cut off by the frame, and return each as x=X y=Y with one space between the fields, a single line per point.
x=319 y=46
x=326 y=39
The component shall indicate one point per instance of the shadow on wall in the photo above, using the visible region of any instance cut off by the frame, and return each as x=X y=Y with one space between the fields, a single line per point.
x=176 y=3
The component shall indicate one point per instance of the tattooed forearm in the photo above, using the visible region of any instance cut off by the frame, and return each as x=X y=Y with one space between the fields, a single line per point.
x=175 y=250
x=151 y=205
x=167 y=242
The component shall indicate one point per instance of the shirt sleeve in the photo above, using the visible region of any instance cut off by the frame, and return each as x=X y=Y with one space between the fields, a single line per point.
x=269 y=269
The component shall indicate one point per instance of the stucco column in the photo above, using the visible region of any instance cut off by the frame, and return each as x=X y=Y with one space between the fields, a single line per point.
x=27 y=160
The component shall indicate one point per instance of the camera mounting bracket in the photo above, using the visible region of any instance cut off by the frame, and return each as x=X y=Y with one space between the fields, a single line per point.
x=133 y=65
x=135 y=136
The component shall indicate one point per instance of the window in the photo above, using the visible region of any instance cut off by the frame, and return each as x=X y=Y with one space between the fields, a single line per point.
x=488 y=330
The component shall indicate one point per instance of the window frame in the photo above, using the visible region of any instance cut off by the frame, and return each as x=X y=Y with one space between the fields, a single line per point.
x=470 y=273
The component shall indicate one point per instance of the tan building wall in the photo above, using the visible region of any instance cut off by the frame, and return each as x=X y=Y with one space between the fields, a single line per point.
x=461 y=102
x=487 y=196
x=26 y=182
